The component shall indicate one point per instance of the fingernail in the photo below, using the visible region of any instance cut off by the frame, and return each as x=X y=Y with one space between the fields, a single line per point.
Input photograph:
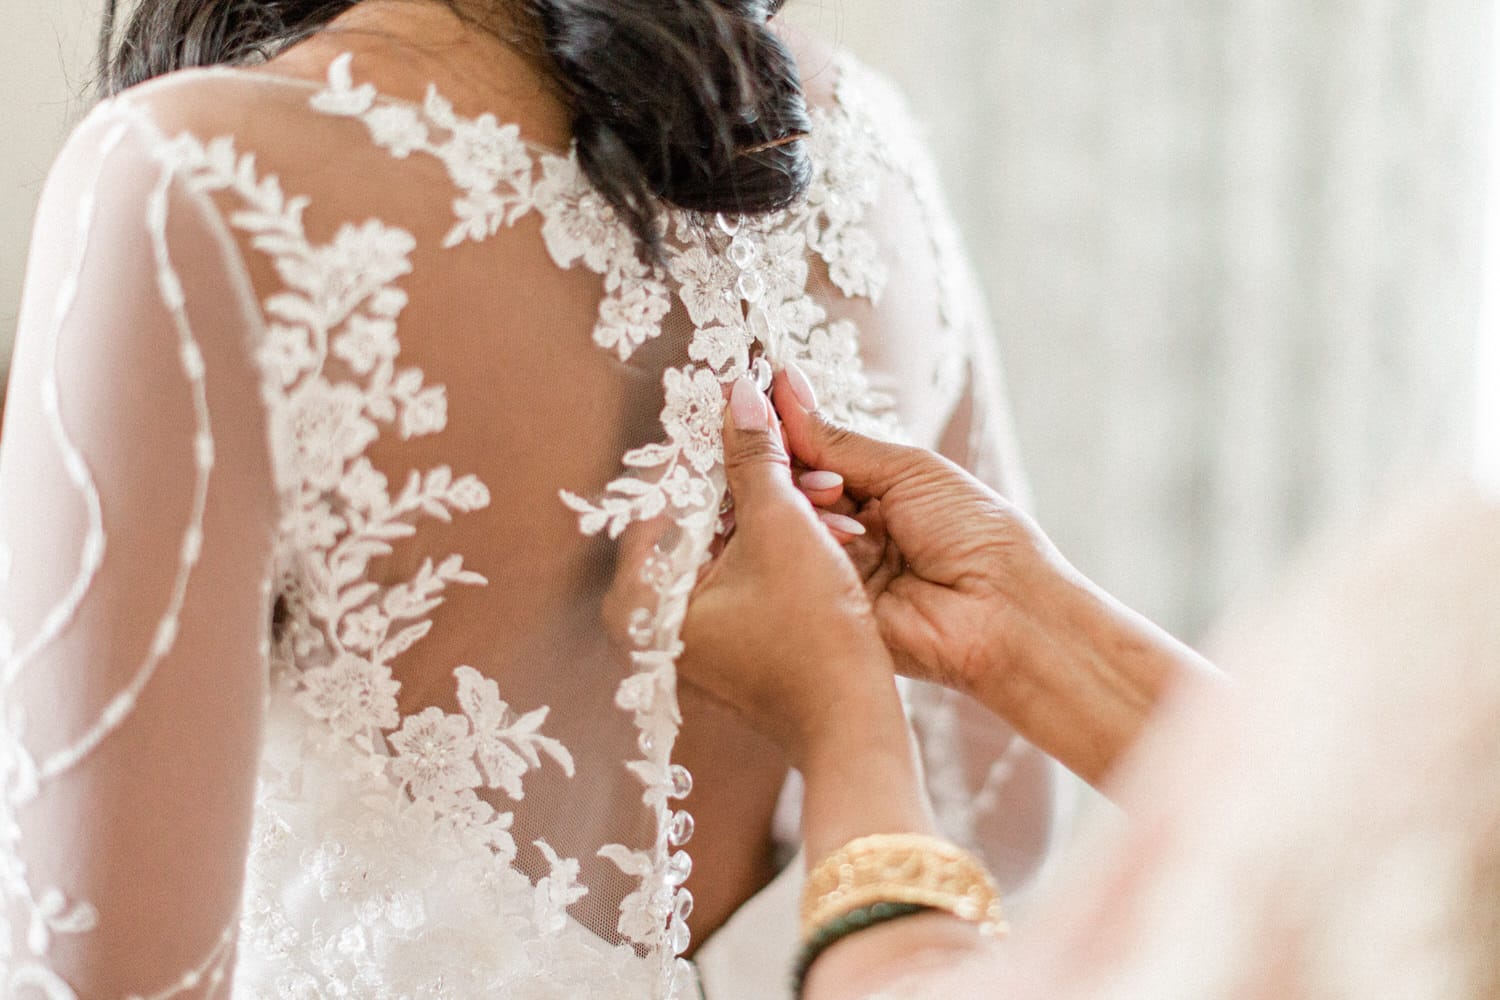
x=838 y=522
x=801 y=387
x=820 y=480
x=746 y=406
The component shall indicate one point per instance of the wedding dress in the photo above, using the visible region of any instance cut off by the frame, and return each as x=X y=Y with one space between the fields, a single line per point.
x=356 y=473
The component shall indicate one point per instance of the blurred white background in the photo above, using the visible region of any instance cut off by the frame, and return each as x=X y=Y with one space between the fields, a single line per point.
x=1237 y=250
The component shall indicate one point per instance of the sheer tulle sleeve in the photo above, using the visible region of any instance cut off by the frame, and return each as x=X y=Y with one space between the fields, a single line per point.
x=980 y=433
x=138 y=516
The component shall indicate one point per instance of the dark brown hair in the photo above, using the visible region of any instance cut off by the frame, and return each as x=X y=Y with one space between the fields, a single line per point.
x=696 y=103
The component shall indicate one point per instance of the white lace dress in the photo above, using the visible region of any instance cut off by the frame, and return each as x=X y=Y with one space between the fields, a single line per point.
x=380 y=371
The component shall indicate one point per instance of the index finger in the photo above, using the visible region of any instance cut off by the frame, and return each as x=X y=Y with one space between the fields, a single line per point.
x=869 y=467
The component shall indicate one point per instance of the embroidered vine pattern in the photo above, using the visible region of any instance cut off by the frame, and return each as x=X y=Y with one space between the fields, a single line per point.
x=340 y=306
x=22 y=777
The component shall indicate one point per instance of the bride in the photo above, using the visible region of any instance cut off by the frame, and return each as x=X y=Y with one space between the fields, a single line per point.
x=363 y=445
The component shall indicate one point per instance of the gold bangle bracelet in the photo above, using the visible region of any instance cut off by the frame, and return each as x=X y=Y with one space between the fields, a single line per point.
x=900 y=868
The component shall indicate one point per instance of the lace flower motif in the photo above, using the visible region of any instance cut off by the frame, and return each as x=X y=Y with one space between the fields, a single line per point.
x=434 y=753
x=693 y=415
x=705 y=282
x=327 y=426
x=352 y=694
x=722 y=348
x=579 y=224
x=466 y=812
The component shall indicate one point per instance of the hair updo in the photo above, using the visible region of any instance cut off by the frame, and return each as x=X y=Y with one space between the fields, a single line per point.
x=695 y=103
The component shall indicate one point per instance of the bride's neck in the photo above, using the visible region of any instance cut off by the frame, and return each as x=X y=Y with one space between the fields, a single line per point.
x=483 y=55
x=437 y=19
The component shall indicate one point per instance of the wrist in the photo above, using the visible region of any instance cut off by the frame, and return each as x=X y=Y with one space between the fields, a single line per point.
x=854 y=734
x=1040 y=610
x=856 y=703
x=1082 y=673
x=860 y=773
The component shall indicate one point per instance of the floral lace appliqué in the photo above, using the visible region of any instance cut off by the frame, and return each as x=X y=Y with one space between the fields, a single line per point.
x=746 y=287
x=500 y=182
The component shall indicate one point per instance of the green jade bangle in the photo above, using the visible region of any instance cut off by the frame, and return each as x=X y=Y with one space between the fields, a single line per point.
x=838 y=929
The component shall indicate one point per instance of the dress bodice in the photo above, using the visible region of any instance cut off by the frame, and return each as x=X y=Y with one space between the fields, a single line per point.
x=384 y=372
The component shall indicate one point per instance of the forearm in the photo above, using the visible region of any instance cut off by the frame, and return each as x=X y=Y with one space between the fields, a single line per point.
x=1084 y=674
x=861 y=778
x=926 y=956
x=860 y=772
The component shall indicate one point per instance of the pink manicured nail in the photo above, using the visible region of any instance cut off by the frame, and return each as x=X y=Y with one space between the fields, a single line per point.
x=820 y=480
x=838 y=522
x=801 y=387
x=747 y=406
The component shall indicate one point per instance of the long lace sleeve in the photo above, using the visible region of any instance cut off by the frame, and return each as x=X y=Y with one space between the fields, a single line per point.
x=137 y=523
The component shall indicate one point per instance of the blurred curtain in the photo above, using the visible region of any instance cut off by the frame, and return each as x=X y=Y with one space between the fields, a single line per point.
x=1232 y=248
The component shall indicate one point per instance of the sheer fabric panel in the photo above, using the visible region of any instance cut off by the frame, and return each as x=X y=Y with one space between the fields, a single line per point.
x=139 y=514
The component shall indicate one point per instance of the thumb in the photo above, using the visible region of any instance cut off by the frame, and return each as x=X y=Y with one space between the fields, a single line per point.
x=869 y=467
x=755 y=464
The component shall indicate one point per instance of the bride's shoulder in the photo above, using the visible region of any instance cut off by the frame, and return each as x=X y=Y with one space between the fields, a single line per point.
x=211 y=102
x=127 y=143
x=832 y=74
x=848 y=95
